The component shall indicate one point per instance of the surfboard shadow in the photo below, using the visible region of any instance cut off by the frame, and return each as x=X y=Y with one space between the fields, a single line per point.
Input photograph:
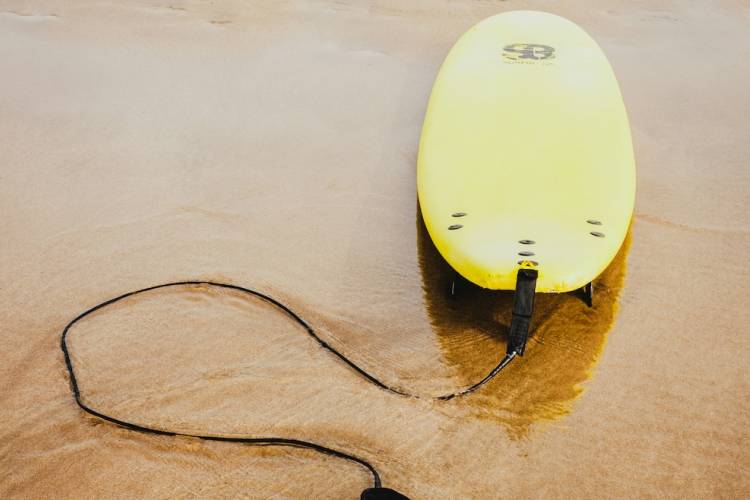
x=567 y=338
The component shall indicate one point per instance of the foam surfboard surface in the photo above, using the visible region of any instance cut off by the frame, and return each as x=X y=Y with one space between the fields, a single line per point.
x=525 y=157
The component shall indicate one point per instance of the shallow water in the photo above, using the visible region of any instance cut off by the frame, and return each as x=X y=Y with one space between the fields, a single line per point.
x=274 y=147
x=566 y=340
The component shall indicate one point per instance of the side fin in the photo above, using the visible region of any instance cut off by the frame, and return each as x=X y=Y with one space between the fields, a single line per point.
x=588 y=294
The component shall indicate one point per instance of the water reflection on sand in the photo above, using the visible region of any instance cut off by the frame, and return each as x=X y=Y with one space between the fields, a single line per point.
x=566 y=340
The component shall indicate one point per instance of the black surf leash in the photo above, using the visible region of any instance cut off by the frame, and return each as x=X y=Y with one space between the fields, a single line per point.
x=377 y=491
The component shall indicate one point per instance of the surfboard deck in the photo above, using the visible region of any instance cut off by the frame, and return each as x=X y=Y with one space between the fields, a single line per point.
x=525 y=158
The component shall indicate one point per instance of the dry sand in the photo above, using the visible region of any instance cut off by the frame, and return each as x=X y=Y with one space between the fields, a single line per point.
x=273 y=145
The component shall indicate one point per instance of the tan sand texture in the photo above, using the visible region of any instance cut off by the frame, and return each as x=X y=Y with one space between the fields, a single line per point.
x=273 y=145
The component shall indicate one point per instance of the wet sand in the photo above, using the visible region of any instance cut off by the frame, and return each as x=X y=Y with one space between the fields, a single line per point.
x=274 y=146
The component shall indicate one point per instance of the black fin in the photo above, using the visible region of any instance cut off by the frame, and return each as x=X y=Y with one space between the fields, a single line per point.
x=588 y=294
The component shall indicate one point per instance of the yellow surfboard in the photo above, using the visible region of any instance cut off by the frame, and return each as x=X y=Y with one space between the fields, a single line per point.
x=525 y=159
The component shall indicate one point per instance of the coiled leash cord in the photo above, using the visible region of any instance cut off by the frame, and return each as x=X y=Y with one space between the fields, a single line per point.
x=377 y=492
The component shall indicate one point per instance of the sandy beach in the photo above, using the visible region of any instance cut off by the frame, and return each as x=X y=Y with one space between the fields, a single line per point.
x=273 y=145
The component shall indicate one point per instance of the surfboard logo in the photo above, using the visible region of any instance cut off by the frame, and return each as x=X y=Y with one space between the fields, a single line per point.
x=528 y=52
